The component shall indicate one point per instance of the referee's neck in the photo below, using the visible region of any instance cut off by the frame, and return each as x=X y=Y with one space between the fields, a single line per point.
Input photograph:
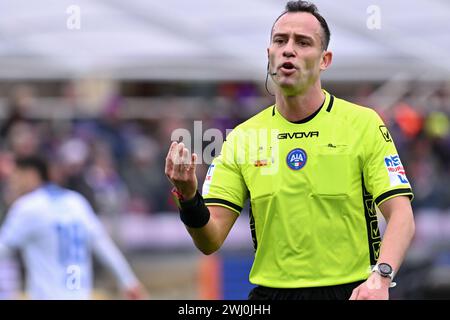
x=300 y=106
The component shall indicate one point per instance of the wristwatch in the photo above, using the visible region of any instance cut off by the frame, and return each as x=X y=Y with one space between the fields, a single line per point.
x=384 y=270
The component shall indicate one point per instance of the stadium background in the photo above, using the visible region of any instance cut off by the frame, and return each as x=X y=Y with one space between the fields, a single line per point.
x=103 y=99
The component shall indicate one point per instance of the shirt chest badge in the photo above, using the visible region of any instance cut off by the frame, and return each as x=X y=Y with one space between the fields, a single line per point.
x=296 y=159
x=264 y=157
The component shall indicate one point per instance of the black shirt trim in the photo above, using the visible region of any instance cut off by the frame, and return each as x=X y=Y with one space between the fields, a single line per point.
x=330 y=104
x=310 y=117
x=403 y=191
x=225 y=202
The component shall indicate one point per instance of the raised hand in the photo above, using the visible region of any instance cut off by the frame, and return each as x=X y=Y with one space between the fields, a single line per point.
x=180 y=170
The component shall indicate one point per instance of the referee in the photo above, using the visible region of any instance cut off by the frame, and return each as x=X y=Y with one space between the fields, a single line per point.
x=315 y=173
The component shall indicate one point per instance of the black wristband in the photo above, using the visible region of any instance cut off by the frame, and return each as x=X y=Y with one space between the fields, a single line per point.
x=194 y=212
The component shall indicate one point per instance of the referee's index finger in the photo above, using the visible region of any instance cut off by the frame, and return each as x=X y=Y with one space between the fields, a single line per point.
x=186 y=159
x=169 y=161
x=193 y=161
x=171 y=148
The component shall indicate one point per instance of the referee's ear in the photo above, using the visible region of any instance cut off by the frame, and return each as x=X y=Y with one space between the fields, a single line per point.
x=327 y=58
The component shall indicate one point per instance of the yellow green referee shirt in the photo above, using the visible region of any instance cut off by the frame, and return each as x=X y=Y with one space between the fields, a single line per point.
x=313 y=186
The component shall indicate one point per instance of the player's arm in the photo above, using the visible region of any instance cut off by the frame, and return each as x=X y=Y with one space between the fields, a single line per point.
x=16 y=228
x=399 y=230
x=208 y=226
x=210 y=238
x=109 y=255
x=385 y=178
x=396 y=240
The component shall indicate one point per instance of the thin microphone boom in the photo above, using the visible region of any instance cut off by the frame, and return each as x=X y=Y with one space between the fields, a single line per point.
x=269 y=71
x=267 y=78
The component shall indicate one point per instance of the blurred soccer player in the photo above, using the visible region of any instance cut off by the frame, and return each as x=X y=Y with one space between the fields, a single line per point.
x=57 y=231
x=313 y=187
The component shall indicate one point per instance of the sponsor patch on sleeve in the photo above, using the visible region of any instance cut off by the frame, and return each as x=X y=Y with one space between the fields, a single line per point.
x=207 y=183
x=396 y=172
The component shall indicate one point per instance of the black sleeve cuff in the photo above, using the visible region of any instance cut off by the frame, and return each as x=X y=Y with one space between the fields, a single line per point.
x=224 y=202
x=396 y=192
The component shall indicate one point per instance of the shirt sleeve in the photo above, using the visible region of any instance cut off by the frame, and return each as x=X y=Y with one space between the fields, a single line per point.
x=17 y=227
x=384 y=174
x=224 y=184
x=110 y=256
x=106 y=251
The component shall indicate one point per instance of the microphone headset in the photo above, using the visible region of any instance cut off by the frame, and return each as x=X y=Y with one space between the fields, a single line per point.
x=267 y=77
x=268 y=70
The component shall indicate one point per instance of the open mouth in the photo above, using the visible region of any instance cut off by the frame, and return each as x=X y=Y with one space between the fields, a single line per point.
x=288 y=66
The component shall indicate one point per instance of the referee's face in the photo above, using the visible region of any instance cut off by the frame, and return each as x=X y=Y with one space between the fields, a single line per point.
x=296 y=54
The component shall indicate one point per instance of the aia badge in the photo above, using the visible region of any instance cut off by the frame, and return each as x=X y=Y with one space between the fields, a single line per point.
x=296 y=159
x=396 y=172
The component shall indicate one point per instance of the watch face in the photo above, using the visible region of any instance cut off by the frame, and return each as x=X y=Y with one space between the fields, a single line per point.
x=385 y=268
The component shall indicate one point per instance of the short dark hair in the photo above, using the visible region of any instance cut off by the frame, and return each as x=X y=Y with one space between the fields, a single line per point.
x=306 y=6
x=36 y=163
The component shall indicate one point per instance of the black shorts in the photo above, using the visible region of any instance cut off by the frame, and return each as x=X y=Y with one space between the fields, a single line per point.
x=339 y=292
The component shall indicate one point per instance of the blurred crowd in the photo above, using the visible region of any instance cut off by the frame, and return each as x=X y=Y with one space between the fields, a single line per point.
x=116 y=157
x=422 y=137
x=116 y=160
